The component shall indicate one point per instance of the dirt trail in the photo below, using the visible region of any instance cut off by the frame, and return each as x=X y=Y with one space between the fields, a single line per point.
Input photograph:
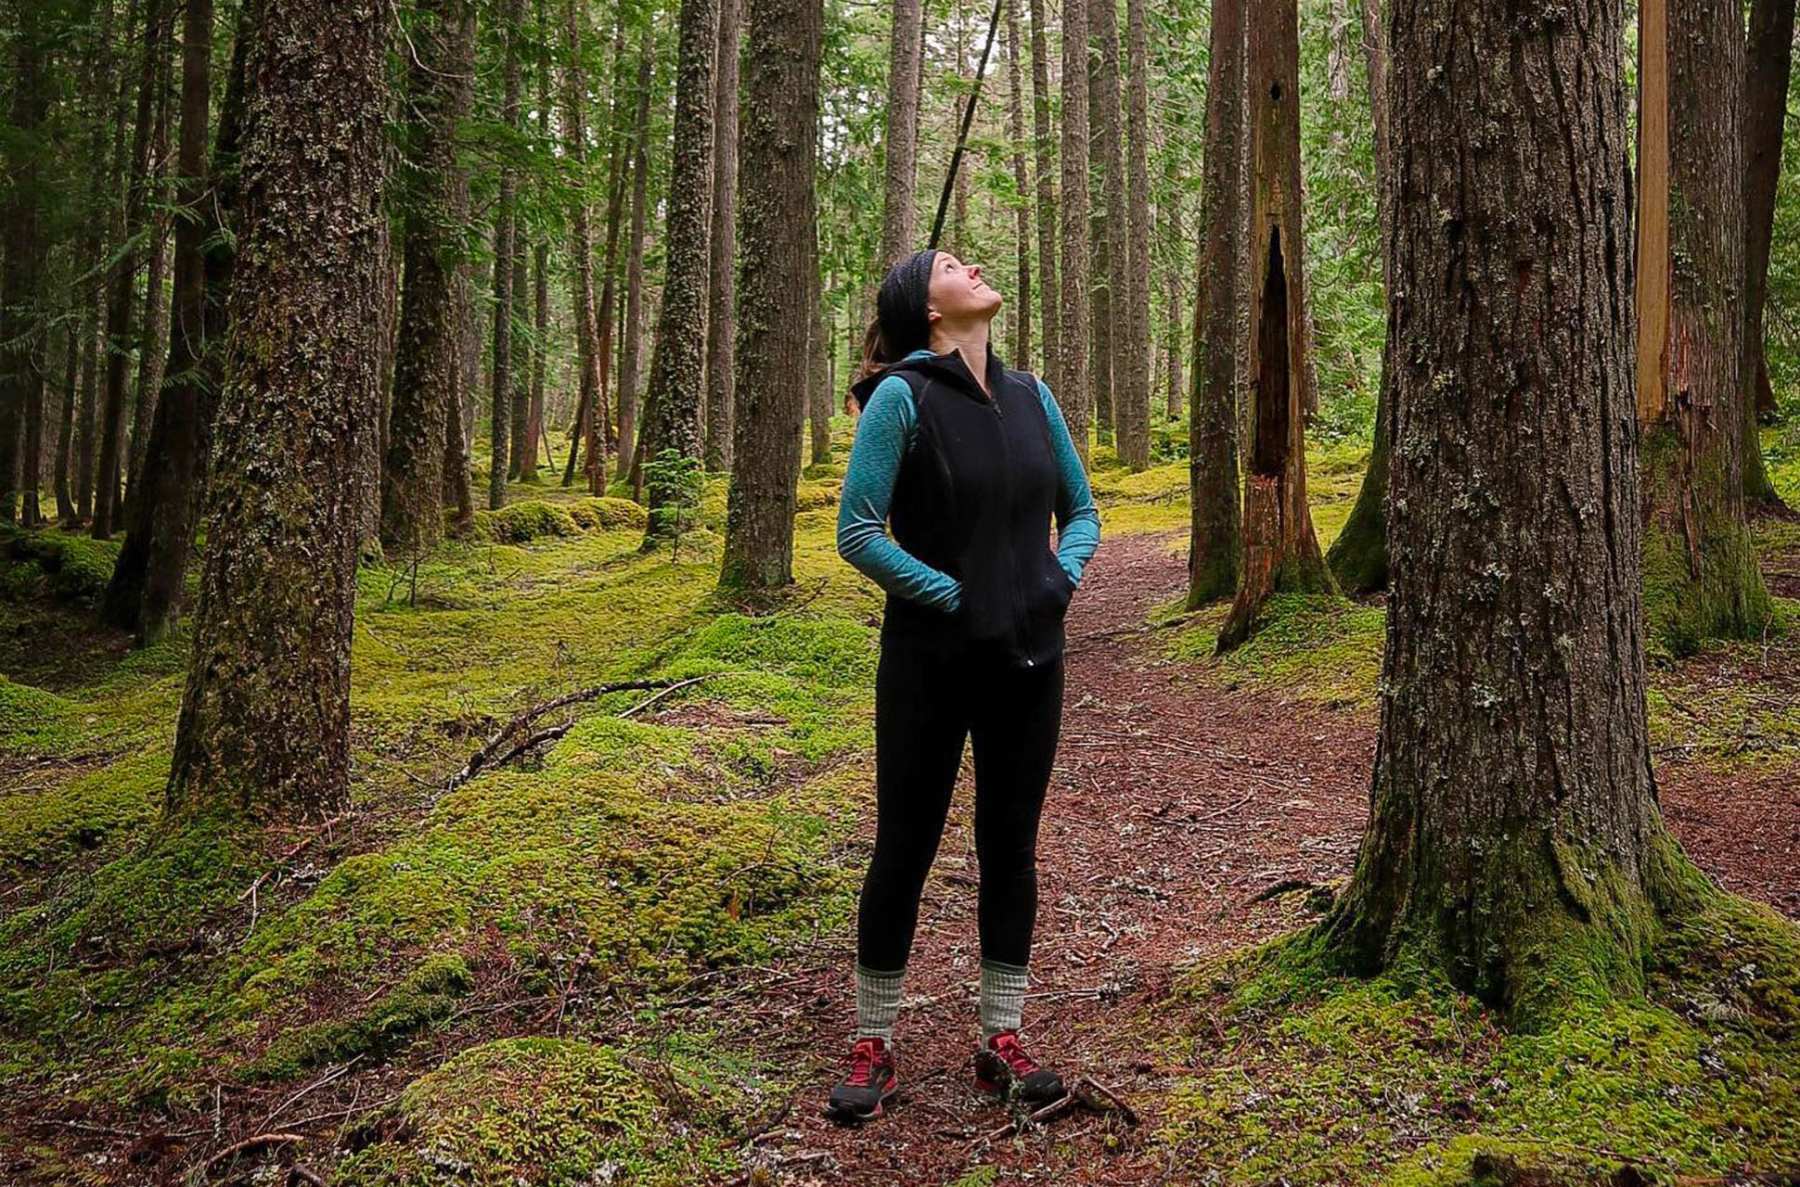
x=1174 y=804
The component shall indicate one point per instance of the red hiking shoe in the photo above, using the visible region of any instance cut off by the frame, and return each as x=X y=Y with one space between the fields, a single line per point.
x=1005 y=1069
x=872 y=1080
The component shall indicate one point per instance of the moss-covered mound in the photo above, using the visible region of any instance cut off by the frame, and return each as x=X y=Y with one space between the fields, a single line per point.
x=68 y=566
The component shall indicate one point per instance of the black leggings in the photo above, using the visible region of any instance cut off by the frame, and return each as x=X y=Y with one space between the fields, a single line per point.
x=926 y=703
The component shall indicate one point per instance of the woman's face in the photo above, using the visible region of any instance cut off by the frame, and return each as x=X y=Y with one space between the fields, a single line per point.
x=958 y=294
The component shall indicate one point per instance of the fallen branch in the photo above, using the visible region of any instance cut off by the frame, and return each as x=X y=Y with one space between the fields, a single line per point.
x=1090 y=1094
x=250 y=1143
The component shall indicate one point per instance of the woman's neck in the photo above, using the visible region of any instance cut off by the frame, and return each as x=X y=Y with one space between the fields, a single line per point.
x=971 y=341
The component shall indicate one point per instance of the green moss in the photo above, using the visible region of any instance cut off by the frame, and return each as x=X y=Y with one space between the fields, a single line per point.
x=520 y=523
x=75 y=568
x=425 y=996
x=1310 y=647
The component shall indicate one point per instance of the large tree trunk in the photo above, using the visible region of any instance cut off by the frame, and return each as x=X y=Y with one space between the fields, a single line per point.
x=1701 y=579
x=778 y=228
x=1215 y=542
x=501 y=435
x=899 y=227
x=1514 y=840
x=630 y=358
x=1015 y=131
x=721 y=316
x=1358 y=557
x=1281 y=553
x=148 y=580
x=677 y=363
x=1131 y=366
x=23 y=326
x=1044 y=157
x=1770 y=58
x=1072 y=334
x=428 y=360
x=1108 y=266
x=123 y=280
x=265 y=722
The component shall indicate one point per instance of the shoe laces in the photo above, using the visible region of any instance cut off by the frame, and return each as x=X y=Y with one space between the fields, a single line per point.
x=864 y=1057
x=1006 y=1045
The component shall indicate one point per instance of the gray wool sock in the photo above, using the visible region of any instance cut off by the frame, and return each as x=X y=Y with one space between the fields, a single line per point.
x=1002 y=997
x=877 y=1003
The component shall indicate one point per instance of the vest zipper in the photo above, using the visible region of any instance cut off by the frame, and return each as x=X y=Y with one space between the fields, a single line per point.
x=993 y=401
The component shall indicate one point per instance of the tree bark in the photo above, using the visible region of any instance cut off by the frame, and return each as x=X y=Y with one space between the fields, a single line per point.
x=677 y=365
x=818 y=365
x=581 y=252
x=1514 y=840
x=153 y=340
x=602 y=436
x=23 y=327
x=899 y=221
x=1043 y=149
x=721 y=317
x=265 y=721
x=1015 y=131
x=501 y=436
x=458 y=413
x=777 y=235
x=1770 y=60
x=1215 y=542
x=1072 y=336
x=1701 y=579
x=1131 y=368
x=630 y=361
x=65 y=432
x=1173 y=336
x=1281 y=553
x=1107 y=286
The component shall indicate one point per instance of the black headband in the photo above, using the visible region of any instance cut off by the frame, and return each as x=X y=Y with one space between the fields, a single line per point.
x=902 y=305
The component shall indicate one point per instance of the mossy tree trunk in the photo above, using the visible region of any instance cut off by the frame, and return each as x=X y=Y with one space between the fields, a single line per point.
x=1701 y=579
x=677 y=364
x=427 y=362
x=1132 y=364
x=1358 y=557
x=1514 y=840
x=1043 y=149
x=1215 y=539
x=1106 y=235
x=777 y=225
x=1072 y=332
x=265 y=720
x=899 y=220
x=721 y=325
x=1281 y=553
x=1770 y=60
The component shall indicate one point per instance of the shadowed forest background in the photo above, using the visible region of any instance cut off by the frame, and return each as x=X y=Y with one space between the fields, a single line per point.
x=436 y=726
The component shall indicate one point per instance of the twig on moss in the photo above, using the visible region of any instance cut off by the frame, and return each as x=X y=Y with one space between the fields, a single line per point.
x=251 y=1143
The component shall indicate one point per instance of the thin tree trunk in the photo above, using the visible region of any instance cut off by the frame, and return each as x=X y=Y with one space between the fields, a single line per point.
x=581 y=252
x=1131 y=367
x=818 y=368
x=1044 y=155
x=1015 y=131
x=1770 y=60
x=65 y=432
x=153 y=348
x=96 y=93
x=630 y=361
x=265 y=721
x=721 y=317
x=899 y=227
x=1215 y=543
x=1281 y=553
x=1173 y=332
x=23 y=327
x=1072 y=336
x=540 y=320
x=778 y=236
x=458 y=411
x=602 y=438
x=500 y=426
x=1107 y=220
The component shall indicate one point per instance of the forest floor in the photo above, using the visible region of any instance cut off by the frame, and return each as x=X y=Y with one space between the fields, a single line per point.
x=628 y=959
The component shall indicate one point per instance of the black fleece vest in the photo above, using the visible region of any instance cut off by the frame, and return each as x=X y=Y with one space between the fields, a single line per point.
x=974 y=497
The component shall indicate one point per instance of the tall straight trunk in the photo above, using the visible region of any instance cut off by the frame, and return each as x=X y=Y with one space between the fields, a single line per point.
x=459 y=410
x=1043 y=148
x=956 y=234
x=1281 y=553
x=153 y=341
x=1072 y=335
x=1173 y=324
x=677 y=364
x=519 y=415
x=533 y=418
x=123 y=279
x=778 y=230
x=721 y=316
x=1107 y=268
x=1514 y=840
x=65 y=433
x=87 y=410
x=1131 y=367
x=899 y=221
x=1770 y=59
x=500 y=427
x=96 y=92
x=265 y=720
x=818 y=367
x=147 y=586
x=1701 y=579
x=581 y=250
x=1015 y=131
x=375 y=444
x=23 y=326
x=1215 y=541
x=427 y=364
x=602 y=438
x=631 y=350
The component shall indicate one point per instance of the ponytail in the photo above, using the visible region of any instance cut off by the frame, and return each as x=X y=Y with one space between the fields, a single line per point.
x=876 y=357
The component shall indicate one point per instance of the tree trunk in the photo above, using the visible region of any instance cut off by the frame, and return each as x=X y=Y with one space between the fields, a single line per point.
x=1281 y=553
x=153 y=342
x=65 y=432
x=630 y=360
x=457 y=413
x=265 y=722
x=1043 y=149
x=1215 y=543
x=1131 y=367
x=899 y=222
x=721 y=317
x=123 y=279
x=1770 y=59
x=602 y=439
x=581 y=251
x=1514 y=840
x=818 y=366
x=1015 y=131
x=1072 y=335
x=1172 y=236
x=677 y=363
x=23 y=327
x=533 y=416
x=427 y=364
x=1701 y=579
x=500 y=427
x=778 y=228
x=1358 y=557
x=1109 y=264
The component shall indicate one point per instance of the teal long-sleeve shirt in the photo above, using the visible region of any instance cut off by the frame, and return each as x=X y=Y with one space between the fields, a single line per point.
x=883 y=435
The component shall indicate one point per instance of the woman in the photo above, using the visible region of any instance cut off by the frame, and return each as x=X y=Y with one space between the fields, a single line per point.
x=968 y=461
